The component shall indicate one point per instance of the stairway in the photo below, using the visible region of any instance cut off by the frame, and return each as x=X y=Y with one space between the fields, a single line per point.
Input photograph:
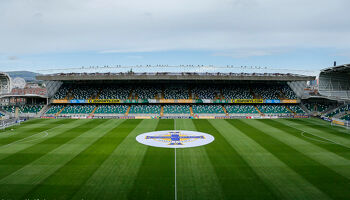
x=16 y=112
x=127 y=111
x=332 y=109
x=257 y=109
x=59 y=112
x=191 y=110
x=98 y=94
x=92 y=113
x=302 y=106
x=223 y=107
x=161 y=110
x=290 y=110
x=42 y=111
x=282 y=96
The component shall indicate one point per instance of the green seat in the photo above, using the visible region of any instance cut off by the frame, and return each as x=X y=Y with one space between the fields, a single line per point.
x=54 y=109
x=273 y=109
x=241 y=109
x=207 y=109
x=145 y=109
x=176 y=109
x=111 y=109
x=78 y=109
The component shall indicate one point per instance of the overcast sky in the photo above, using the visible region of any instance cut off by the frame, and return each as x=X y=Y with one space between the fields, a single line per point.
x=301 y=34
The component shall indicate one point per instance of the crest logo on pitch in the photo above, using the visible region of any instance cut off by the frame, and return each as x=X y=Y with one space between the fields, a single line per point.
x=175 y=139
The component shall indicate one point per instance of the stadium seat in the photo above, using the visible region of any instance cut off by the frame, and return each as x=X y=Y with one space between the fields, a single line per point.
x=267 y=92
x=62 y=92
x=273 y=109
x=176 y=109
x=78 y=109
x=84 y=92
x=144 y=109
x=339 y=110
x=318 y=107
x=10 y=109
x=176 y=93
x=205 y=92
x=147 y=92
x=54 y=109
x=208 y=109
x=241 y=109
x=116 y=92
x=288 y=92
x=296 y=109
x=346 y=117
x=111 y=109
x=237 y=92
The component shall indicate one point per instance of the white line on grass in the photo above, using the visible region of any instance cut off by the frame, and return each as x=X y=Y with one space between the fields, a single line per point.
x=331 y=141
x=310 y=138
x=175 y=164
x=46 y=134
x=175 y=177
x=31 y=136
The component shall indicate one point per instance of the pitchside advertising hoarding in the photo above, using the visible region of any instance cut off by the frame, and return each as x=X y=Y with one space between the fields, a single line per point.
x=104 y=101
x=247 y=101
x=233 y=101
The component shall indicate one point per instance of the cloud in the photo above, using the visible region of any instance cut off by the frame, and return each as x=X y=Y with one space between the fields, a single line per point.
x=222 y=26
x=12 y=58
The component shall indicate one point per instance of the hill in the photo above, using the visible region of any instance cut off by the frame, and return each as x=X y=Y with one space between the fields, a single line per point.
x=26 y=75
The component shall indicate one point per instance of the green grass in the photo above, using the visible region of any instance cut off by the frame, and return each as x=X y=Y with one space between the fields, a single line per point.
x=249 y=159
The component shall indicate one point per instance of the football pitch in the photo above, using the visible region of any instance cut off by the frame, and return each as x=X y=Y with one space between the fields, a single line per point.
x=249 y=159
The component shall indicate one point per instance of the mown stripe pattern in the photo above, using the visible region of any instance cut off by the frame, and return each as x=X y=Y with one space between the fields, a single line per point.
x=249 y=159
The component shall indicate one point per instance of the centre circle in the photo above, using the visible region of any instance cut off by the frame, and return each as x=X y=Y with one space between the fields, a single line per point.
x=175 y=139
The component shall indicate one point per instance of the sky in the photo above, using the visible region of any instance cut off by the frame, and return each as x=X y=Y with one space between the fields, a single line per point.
x=291 y=35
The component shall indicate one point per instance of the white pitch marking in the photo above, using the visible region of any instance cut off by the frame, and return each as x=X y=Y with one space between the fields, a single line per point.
x=175 y=165
x=302 y=131
x=32 y=136
x=330 y=141
x=302 y=134
x=46 y=134
x=175 y=176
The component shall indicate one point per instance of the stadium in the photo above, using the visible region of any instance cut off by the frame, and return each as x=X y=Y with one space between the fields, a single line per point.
x=176 y=135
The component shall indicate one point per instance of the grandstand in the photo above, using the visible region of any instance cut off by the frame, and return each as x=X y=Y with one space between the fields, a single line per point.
x=173 y=95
